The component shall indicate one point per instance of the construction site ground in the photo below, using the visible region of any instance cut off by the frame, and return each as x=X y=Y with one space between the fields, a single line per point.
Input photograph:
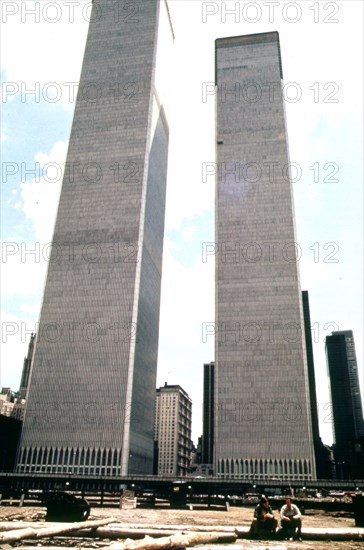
x=236 y=516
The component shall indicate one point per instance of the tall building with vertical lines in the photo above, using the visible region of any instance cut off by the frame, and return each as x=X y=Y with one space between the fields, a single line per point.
x=347 y=409
x=208 y=413
x=263 y=418
x=91 y=397
x=342 y=368
x=322 y=452
x=24 y=381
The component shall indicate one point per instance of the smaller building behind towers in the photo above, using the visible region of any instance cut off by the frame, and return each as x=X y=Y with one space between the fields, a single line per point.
x=172 y=431
x=322 y=452
x=27 y=365
x=208 y=415
x=347 y=407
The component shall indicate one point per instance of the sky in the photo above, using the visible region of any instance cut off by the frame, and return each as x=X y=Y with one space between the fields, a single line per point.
x=321 y=47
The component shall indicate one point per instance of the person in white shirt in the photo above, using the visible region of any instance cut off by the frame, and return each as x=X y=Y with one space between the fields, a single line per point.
x=291 y=519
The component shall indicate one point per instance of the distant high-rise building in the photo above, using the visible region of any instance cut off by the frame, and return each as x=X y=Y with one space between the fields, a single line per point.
x=208 y=417
x=347 y=410
x=27 y=367
x=263 y=422
x=310 y=365
x=172 y=431
x=91 y=396
x=322 y=454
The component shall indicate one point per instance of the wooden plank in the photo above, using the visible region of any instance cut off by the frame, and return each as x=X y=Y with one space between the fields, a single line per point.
x=12 y=525
x=135 y=534
x=176 y=541
x=29 y=533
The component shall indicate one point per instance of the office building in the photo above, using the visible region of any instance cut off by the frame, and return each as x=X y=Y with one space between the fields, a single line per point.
x=24 y=381
x=96 y=354
x=347 y=410
x=172 y=431
x=322 y=452
x=263 y=425
x=208 y=413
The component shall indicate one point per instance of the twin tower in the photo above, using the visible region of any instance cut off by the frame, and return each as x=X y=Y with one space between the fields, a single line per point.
x=90 y=402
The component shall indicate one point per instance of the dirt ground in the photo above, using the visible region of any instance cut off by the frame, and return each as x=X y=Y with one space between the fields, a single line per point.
x=237 y=516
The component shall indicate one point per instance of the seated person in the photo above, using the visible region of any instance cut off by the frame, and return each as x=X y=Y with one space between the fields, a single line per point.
x=291 y=521
x=263 y=518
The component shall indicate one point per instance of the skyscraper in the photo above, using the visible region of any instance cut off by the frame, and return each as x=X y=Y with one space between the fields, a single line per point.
x=344 y=385
x=96 y=351
x=24 y=381
x=322 y=453
x=208 y=415
x=263 y=419
x=310 y=365
x=347 y=410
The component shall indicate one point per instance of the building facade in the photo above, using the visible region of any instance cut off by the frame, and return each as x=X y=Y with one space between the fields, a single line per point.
x=96 y=352
x=322 y=452
x=11 y=404
x=27 y=364
x=172 y=431
x=7 y=401
x=208 y=416
x=262 y=411
x=347 y=410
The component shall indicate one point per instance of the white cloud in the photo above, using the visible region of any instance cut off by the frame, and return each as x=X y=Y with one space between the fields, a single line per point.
x=22 y=270
x=30 y=308
x=188 y=232
x=40 y=198
x=24 y=261
x=15 y=335
x=41 y=51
